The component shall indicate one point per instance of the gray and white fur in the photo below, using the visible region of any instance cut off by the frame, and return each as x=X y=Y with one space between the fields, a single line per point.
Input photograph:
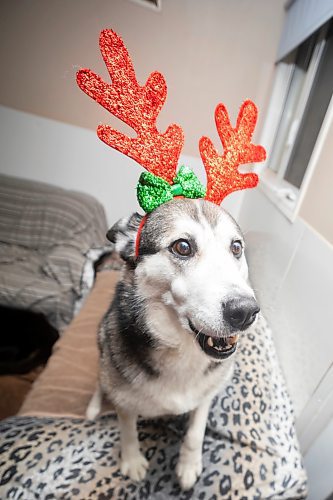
x=167 y=341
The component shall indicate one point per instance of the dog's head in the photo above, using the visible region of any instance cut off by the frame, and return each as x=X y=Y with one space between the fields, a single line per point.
x=191 y=261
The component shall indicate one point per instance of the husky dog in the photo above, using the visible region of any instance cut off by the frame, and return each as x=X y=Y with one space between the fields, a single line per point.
x=167 y=341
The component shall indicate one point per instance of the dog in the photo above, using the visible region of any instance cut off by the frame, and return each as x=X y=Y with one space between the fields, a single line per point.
x=168 y=340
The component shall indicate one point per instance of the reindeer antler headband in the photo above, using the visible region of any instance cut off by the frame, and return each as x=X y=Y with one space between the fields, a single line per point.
x=159 y=153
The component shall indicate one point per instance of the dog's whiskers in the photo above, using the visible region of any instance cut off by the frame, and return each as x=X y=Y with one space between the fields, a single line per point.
x=196 y=337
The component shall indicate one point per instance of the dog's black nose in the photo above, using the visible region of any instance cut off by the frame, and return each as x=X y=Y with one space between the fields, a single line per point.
x=240 y=312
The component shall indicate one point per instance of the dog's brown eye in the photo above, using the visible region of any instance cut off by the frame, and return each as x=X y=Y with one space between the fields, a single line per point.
x=237 y=248
x=182 y=248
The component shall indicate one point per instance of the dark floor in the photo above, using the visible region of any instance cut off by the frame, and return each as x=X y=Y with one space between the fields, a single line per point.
x=13 y=389
x=26 y=342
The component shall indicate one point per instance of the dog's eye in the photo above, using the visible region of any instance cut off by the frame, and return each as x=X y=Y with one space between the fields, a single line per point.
x=237 y=248
x=181 y=248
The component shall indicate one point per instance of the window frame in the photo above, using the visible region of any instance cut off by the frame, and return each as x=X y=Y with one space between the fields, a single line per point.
x=286 y=197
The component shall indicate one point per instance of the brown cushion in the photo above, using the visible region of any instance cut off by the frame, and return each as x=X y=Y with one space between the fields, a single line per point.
x=69 y=379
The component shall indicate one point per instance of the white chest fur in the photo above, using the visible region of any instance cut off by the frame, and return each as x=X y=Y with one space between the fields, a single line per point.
x=185 y=379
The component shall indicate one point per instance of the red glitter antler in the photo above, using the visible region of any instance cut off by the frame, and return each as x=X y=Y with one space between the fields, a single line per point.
x=137 y=106
x=222 y=172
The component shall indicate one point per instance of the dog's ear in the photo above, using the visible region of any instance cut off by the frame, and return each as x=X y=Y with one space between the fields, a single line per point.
x=123 y=235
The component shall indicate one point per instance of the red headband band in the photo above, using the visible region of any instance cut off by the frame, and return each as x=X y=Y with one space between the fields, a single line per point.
x=138 y=236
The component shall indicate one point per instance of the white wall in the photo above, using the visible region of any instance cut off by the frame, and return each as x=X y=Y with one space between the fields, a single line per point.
x=319 y=460
x=208 y=50
x=73 y=157
x=292 y=272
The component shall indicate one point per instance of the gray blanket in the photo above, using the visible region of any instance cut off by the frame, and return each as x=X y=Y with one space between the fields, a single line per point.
x=45 y=234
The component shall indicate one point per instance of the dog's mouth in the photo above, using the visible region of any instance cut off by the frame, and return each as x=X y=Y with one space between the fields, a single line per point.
x=216 y=347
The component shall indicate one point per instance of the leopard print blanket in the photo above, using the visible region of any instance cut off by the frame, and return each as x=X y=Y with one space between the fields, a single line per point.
x=250 y=449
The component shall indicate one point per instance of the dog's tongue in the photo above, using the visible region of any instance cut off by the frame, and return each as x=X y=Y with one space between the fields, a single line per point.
x=222 y=344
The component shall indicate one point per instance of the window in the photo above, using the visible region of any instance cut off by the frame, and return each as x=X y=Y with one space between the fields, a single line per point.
x=301 y=97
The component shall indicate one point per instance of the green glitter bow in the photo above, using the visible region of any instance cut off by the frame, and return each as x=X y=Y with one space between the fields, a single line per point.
x=152 y=191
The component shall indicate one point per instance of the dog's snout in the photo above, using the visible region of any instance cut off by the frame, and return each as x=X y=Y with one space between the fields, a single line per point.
x=240 y=312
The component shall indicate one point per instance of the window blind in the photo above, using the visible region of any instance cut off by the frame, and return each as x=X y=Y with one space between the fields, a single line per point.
x=303 y=17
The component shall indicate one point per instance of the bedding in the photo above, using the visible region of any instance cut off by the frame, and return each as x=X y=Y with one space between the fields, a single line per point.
x=46 y=233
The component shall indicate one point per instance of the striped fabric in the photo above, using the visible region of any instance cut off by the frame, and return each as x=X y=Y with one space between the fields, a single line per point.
x=45 y=234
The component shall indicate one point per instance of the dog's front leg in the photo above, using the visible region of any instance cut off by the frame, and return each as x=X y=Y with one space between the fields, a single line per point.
x=133 y=463
x=190 y=459
x=95 y=403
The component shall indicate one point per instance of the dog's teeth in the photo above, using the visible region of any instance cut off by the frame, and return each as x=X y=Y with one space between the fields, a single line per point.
x=210 y=342
x=233 y=339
